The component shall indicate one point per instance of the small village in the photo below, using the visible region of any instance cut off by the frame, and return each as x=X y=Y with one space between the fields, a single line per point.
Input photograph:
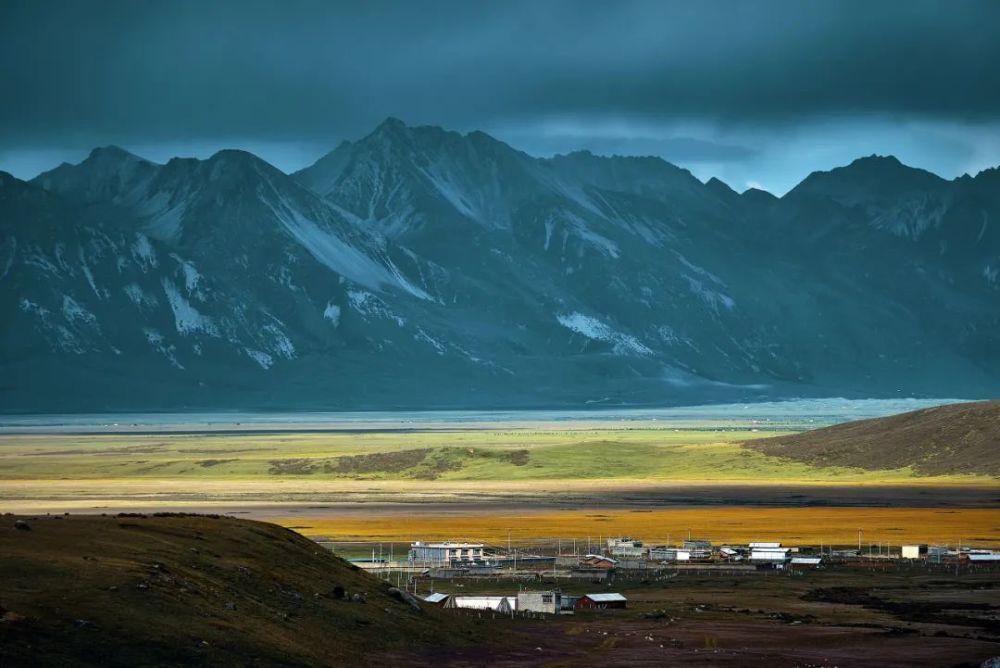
x=573 y=576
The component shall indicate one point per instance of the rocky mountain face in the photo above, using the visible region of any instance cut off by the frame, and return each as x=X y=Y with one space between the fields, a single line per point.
x=423 y=268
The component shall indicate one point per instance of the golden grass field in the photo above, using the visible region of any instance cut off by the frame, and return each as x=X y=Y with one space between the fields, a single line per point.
x=794 y=526
x=604 y=481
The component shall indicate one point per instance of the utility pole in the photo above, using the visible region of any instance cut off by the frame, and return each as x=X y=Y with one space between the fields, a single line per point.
x=859 y=541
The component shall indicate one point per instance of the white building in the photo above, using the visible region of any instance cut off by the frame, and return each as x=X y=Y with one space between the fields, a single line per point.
x=769 y=554
x=914 y=551
x=549 y=602
x=504 y=604
x=626 y=547
x=447 y=553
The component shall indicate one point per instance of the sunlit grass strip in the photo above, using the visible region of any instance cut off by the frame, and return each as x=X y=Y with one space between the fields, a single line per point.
x=730 y=524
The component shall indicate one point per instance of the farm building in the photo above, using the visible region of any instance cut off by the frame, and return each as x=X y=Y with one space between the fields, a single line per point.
x=982 y=556
x=914 y=551
x=439 y=599
x=730 y=553
x=447 y=553
x=505 y=604
x=601 y=601
x=549 y=602
x=769 y=554
x=764 y=546
x=662 y=553
x=806 y=562
x=938 y=552
x=626 y=547
x=598 y=561
x=699 y=548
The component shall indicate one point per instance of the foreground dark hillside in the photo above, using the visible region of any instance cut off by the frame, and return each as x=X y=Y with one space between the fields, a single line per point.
x=958 y=438
x=191 y=590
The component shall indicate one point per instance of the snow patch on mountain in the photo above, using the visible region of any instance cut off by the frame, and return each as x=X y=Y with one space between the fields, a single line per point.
x=369 y=305
x=75 y=313
x=159 y=344
x=332 y=313
x=260 y=357
x=701 y=271
x=144 y=253
x=337 y=254
x=139 y=297
x=101 y=294
x=186 y=317
x=423 y=336
x=594 y=329
x=192 y=278
x=280 y=344
x=164 y=216
x=28 y=306
x=713 y=298
x=991 y=274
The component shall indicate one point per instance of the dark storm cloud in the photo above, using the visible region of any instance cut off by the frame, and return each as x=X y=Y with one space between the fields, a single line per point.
x=83 y=73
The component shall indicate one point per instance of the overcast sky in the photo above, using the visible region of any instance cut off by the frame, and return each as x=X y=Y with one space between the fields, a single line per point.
x=756 y=93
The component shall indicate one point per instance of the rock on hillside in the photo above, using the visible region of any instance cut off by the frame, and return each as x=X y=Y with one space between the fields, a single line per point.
x=953 y=439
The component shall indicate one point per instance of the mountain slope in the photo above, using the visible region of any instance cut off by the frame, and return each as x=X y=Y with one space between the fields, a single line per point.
x=952 y=439
x=426 y=268
x=193 y=590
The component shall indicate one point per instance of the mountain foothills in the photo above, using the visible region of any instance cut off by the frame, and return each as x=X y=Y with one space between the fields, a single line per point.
x=955 y=439
x=419 y=267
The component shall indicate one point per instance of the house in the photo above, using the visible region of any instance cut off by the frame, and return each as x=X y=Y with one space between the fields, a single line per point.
x=447 y=553
x=626 y=547
x=549 y=602
x=438 y=599
x=600 y=601
x=504 y=604
x=598 y=561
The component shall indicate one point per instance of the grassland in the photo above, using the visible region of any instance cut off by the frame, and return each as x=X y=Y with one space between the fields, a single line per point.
x=474 y=483
x=727 y=524
x=488 y=456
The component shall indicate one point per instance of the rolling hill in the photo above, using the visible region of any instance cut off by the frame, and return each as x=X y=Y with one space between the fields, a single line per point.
x=954 y=439
x=193 y=590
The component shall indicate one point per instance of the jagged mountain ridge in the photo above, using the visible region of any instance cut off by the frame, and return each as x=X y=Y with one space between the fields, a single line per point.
x=422 y=267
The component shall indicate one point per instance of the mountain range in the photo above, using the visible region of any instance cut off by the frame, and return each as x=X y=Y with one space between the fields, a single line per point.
x=418 y=267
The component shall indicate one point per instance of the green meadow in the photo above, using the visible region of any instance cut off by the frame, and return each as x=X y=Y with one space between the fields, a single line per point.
x=468 y=455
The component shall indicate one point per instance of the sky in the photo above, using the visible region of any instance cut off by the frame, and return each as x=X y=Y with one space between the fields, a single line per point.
x=758 y=93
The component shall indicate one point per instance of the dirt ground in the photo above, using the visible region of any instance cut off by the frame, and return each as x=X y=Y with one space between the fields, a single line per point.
x=842 y=617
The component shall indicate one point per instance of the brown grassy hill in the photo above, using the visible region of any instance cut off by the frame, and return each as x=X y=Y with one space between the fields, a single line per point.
x=193 y=590
x=957 y=438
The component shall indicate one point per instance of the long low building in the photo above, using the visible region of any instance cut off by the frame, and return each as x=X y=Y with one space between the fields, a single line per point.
x=601 y=601
x=505 y=604
x=447 y=553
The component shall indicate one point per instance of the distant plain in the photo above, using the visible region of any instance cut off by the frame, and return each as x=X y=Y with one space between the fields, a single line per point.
x=379 y=480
